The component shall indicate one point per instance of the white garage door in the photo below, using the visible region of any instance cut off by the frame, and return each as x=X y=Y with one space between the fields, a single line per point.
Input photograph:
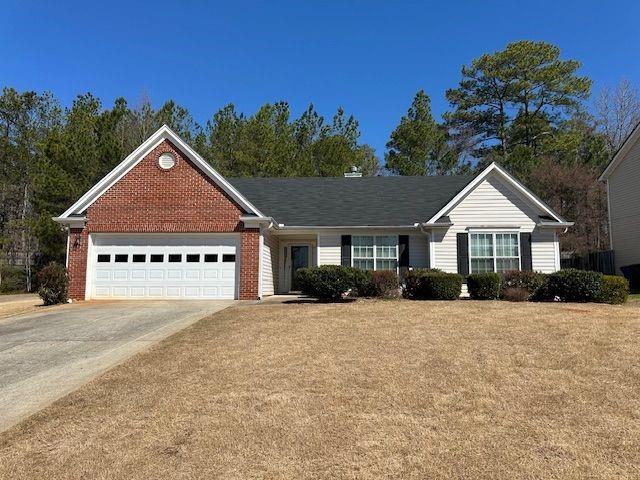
x=163 y=266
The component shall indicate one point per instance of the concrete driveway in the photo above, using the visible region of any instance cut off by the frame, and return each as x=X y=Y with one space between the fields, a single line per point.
x=44 y=356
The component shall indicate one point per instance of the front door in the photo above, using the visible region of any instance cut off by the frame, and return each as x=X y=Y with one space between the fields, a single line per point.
x=299 y=259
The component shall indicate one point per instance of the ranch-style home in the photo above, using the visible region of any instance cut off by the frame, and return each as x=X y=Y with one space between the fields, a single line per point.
x=165 y=224
x=622 y=177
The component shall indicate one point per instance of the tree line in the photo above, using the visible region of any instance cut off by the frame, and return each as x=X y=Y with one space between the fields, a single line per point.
x=524 y=107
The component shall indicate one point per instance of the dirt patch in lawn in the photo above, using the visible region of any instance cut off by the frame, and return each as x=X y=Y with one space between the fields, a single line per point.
x=20 y=304
x=394 y=389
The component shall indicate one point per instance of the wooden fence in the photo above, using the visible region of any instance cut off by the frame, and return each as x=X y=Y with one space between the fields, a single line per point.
x=597 y=261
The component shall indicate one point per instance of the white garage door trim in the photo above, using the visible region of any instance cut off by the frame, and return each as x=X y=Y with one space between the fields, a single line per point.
x=182 y=288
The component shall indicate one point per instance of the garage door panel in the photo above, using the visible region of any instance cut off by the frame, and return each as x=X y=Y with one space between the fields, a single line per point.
x=174 y=274
x=201 y=266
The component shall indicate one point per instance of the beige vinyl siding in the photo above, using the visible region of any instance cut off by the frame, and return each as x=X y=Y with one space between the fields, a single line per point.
x=418 y=251
x=269 y=264
x=624 y=208
x=329 y=249
x=493 y=203
x=543 y=251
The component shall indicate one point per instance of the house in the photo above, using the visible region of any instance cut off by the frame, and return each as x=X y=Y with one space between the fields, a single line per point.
x=165 y=224
x=622 y=177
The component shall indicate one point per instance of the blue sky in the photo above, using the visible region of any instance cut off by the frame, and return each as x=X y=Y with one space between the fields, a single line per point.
x=370 y=57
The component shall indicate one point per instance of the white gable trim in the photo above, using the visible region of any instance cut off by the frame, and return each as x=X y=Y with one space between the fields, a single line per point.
x=494 y=167
x=621 y=153
x=163 y=133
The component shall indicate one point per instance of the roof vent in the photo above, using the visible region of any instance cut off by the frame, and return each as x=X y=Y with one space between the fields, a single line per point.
x=354 y=172
x=167 y=160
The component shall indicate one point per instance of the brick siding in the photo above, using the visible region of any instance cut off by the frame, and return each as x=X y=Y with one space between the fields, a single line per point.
x=149 y=199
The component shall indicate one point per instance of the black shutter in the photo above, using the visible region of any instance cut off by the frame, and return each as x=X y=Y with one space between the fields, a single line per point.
x=525 y=252
x=345 y=256
x=463 y=253
x=403 y=253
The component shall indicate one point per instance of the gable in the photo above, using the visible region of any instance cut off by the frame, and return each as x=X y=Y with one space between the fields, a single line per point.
x=164 y=133
x=623 y=155
x=150 y=199
x=494 y=202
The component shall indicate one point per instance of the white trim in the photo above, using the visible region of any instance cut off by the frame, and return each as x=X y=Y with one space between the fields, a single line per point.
x=496 y=228
x=89 y=270
x=66 y=261
x=556 y=251
x=478 y=179
x=260 y=269
x=282 y=226
x=621 y=153
x=493 y=243
x=163 y=133
x=71 y=222
x=286 y=286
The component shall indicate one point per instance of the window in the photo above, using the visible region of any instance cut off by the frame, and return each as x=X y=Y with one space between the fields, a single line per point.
x=175 y=258
x=228 y=257
x=494 y=252
x=375 y=252
x=156 y=258
x=210 y=257
x=121 y=258
x=104 y=258
x=138 y=258
x=193 y=257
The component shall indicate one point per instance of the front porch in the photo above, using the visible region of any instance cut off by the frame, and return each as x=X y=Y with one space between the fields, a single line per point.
x=294 y=252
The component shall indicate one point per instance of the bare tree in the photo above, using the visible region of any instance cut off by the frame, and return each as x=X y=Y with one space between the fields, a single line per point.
x=618 y=112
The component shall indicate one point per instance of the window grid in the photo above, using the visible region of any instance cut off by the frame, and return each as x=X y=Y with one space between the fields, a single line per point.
x=494 y=252
x=374 y=252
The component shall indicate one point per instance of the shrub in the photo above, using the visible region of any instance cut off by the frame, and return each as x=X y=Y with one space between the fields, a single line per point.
x=573 y=285
x=384 y=284
x=54 y=284
x=426 y=284
x=523 y=280
x=632 y=273
x=515 y=294
x=13 y=279
x=484 y=286
x=543 y=293
x=329 y=283
x=614 y=290
x=361 y=284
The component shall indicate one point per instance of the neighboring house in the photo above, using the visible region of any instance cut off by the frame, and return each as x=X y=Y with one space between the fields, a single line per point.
x=164 y=224
x=623 y=190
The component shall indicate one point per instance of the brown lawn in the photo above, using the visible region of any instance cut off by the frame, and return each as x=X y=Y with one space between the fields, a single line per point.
x=394 y=389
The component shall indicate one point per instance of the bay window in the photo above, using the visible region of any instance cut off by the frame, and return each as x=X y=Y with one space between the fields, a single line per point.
x=375 y=252
x=494 y=252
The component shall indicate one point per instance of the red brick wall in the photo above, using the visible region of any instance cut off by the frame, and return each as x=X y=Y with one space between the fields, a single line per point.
x=149 y=199
x=77 y=263
x=249 y=264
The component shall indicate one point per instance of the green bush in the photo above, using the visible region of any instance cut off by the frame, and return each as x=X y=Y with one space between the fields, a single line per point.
x=543 y=293
x=426 y=284
x=330 y=283
x=515 y=294
x=484 y=286
x=523 y=280
x=54 y=284
x=573 y=285
x=614 y=290
x=384 y=284
x=361 y=285
x=13 y=279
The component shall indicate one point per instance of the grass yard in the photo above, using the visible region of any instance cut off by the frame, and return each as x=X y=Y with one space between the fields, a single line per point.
x=373 y=389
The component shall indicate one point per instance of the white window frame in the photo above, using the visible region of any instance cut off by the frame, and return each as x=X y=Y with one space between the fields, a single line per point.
x=375 y=250
x=493 y=233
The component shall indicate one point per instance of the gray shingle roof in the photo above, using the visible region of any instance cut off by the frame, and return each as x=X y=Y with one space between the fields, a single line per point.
x=338 y=201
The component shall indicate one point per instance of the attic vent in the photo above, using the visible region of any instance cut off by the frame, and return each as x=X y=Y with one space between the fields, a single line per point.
x=167 y=160
x=353 y=172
